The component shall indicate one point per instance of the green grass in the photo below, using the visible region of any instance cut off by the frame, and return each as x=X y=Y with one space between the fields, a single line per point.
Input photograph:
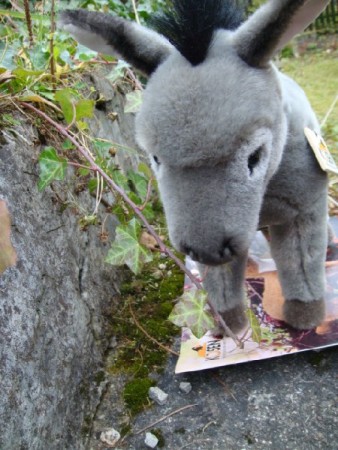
x=317 y=73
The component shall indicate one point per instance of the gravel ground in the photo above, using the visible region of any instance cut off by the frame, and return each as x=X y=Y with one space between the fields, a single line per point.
x=287 y=403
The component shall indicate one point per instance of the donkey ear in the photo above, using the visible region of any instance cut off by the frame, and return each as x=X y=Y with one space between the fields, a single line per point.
x=272 y=26
x=142 y=48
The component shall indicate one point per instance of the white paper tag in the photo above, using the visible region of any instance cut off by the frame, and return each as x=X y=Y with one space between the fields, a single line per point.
x=321 y=151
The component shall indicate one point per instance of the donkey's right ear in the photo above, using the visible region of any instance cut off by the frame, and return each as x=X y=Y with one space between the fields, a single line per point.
x=141 y=47
x=266 y=32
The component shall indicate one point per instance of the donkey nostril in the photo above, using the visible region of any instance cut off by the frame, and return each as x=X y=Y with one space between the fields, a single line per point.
x=227 y=251
x=188 y=251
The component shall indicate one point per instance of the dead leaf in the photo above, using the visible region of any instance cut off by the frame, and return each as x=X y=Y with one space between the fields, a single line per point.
x=7 y=253
x=149 y=241
x=6 y=76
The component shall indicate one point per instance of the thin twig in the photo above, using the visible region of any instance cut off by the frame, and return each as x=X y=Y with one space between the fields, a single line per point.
x=136 y=82
x=81 y=166
x=73 y=121
x=225 y=386
x=51 y=43
x=166 y=417
x=29 y=23
x=137 y=18
x=141 y=208
x=164 y=249
x=137 y=323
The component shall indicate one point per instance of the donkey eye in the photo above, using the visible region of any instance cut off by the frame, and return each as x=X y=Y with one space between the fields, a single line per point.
x=254 y=159
x=155 y=158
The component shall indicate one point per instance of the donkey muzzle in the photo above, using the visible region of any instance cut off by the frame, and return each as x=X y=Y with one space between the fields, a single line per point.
x=223 y=255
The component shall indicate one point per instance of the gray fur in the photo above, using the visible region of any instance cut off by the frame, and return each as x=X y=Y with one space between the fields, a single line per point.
x=205 y=124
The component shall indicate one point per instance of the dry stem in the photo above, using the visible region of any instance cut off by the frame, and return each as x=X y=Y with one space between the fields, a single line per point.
x=140 y=327
x=165 y=417
x=29 y=22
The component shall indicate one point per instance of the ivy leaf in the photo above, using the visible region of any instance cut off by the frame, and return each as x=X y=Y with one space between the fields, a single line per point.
x=67 y=145
x=134 y=101
x=66 y=102
x=255 y=327
x=139 y=182
x=145 y=170
x=52 y=167
x=120 y=179
x=126 y=249
x=84 y=53
x=72 y=107
x=84 y=108
x=118 y=71
x=102 y=148
x=190 y=311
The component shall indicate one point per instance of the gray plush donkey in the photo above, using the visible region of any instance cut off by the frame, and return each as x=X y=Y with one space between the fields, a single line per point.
x=224 y=131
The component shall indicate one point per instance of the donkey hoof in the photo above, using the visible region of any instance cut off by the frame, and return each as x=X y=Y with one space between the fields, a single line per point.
x=235 y=319
x=304 y=315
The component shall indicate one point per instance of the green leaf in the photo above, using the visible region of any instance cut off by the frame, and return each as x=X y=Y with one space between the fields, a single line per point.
x=84 y=172
x=145 y=170
x=52 y=167
x=140 y=184
x=126 y=248
x=72 y=107
x=67 y=145
x=84 y=108
x=25 y=74
x=190 y=311
x=8 y=118
x=118 y=71
x=84 y=53
x=83 y=126
x=92 y=185
x=120 y=179
x=67 y=104
x=148 y=212
x=254 y=324
x=121 y=213
x=134 y=101
x=102 y=148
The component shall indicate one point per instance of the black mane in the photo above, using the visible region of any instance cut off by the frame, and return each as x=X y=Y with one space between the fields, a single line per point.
x=189 y=24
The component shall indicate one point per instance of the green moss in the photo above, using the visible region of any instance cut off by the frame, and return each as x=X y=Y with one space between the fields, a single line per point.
x=148 y=297
x=135 y=394
x=151 y=300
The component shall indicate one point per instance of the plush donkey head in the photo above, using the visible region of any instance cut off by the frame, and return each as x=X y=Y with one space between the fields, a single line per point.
x=224 y=131
x=212 y=120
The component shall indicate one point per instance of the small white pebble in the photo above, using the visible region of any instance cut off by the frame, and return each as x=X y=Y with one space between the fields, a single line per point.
x=158 y=395
x=151 y=440
x=185 y=387
x=157 y=275
x=110 y=437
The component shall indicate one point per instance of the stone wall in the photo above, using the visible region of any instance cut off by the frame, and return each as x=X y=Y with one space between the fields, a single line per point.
x=55 y=303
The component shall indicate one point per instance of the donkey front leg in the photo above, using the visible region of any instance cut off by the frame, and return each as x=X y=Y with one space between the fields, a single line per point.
x=225 y=286
x=299 y=250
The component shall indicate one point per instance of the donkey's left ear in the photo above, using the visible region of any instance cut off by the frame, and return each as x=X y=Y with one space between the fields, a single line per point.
x=272 y=26
x=142 y=48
